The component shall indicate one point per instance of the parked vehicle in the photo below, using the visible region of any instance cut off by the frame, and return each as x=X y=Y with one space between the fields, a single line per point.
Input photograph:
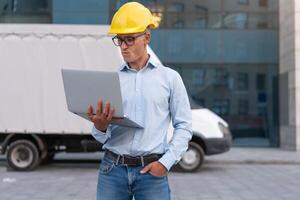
x=34 y=121
x=211 y=135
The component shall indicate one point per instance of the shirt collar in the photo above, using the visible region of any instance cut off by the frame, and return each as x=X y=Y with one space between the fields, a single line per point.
x=152 y=63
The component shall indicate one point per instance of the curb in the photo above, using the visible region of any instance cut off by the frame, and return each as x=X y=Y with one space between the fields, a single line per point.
x=253 y=162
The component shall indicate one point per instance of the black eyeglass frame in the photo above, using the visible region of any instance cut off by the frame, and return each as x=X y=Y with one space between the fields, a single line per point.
x=119 y=41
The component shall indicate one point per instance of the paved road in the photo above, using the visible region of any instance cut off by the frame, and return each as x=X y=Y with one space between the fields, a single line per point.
x=71 y=179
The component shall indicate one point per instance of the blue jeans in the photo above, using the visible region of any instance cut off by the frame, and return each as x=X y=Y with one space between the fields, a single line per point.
x=122 y=182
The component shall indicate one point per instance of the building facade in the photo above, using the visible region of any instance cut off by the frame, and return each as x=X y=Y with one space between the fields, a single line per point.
x=236 y=57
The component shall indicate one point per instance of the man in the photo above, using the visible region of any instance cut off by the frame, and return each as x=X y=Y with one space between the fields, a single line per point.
x=136 y=160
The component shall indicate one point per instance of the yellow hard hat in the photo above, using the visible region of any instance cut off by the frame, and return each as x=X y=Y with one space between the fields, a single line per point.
x=132 y=17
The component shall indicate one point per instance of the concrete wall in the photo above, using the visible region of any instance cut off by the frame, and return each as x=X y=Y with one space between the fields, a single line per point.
x=297 y=66
x=289 y=71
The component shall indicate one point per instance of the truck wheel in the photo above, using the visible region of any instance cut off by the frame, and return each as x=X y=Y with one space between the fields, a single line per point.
x=23 y=155
x=192 y=159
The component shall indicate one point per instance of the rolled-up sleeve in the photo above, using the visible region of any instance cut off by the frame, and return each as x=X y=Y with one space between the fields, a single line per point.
x=181 y=117
x=100 y=136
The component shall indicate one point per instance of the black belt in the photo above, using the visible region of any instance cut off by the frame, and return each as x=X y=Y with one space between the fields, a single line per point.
x=132 y=160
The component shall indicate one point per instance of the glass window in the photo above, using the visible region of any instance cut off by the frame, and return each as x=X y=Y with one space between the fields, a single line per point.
x=260 y=82
x=235 y=21
x=157 y=7
x=243 y=107
x=238 y=5
x=206 y=14
x=221 y=106
x=119 y=3
x=242 y=81
x=200 y=23
x=186 y=14
x=263 y=3
x=243 y=2
x=178 y=24
x=261 y=111
x=261 y=21
x=250 y=112
x=25 y=11
x=198 y=76
x=261 y=97
x=175 y=7
x=221 y=77
x=201 y=17
x=212 y=6
x=215 y=21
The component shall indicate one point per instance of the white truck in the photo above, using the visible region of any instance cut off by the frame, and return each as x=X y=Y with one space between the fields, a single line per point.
x=34 y=120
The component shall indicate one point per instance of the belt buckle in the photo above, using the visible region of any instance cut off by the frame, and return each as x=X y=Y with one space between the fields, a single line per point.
x=122 y=159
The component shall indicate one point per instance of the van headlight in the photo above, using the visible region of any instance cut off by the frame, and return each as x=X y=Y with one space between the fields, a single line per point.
x=224 y=129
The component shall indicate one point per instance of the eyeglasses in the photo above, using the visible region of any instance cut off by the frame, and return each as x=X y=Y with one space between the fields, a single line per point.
x=129 y=40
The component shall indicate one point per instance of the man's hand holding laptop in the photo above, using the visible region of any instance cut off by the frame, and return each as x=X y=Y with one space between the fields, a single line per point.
x=103 y=117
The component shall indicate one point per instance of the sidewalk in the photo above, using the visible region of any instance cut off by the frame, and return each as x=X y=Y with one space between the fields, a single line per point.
x=254 y=155
x=240 y=174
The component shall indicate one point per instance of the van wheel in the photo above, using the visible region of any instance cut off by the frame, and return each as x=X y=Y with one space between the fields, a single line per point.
x=23 y=155
x=192 y=159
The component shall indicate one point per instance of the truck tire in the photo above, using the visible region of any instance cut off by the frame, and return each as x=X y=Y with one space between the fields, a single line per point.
x=23 y=155
x=192 y=159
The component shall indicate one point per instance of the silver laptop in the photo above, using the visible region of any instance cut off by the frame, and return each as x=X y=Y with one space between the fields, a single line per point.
x=84 y=87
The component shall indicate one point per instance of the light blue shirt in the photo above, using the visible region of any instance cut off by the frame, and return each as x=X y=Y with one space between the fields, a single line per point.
x=152 y=97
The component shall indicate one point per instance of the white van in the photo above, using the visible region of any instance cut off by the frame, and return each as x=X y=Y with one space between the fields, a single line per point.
x=35 y=123
x=211 y=135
